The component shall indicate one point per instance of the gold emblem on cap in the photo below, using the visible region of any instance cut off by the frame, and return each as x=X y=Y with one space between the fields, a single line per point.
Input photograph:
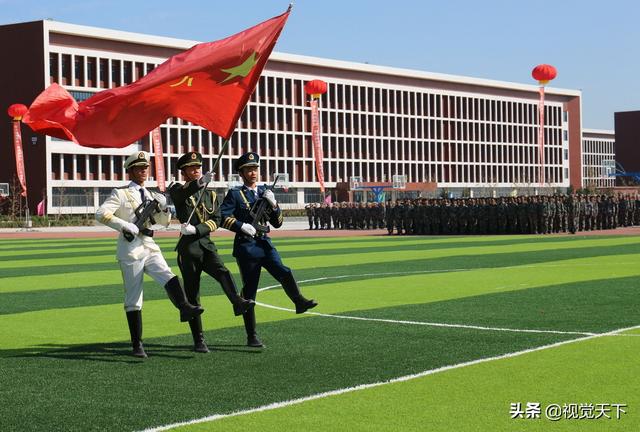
x=141 y=155
x=250 y=156
x=193 y=156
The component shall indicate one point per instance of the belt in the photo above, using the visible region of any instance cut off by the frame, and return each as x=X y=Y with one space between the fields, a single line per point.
x=146 y=232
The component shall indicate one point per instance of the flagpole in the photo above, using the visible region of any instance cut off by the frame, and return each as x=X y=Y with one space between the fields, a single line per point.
x=225 y=144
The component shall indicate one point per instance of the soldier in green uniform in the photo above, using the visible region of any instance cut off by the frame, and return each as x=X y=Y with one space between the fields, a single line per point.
x=309 y=210
x=573 y=205
x=196 y=251
x=316 y=216
x=390 y=213
x=400 y=216
x=584 y=215
x=333 y=210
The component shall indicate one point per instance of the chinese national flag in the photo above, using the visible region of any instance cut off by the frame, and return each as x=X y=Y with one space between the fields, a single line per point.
x=208 y=85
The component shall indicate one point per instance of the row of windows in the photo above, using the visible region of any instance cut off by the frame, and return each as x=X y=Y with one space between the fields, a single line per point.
x=598 y=146
x=499 y=166
x=389 y=126
x=363 y=98
x=178 y=140
x=282 y=119
x=94 y=72
x=100 y=73
x=598 y=161
x=90 y=198
x=438 y=131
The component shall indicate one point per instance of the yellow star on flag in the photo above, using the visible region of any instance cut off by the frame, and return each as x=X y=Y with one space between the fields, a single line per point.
x=241 y=70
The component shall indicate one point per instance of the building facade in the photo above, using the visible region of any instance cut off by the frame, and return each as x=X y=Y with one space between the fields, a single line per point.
x=627 y=132
x=598 y=158
x=378 y=123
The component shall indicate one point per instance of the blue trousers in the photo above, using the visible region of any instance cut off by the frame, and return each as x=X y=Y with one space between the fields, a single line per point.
x=250 y=271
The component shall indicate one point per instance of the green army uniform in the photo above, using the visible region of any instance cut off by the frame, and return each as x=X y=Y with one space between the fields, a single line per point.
x=197 y=252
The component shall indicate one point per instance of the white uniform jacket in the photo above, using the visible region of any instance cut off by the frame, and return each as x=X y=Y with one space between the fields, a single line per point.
x=120 y=208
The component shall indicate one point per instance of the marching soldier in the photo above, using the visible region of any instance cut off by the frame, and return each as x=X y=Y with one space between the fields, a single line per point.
x=309 y=209
x=253 y=250
x=196 y=250
x=141 y=255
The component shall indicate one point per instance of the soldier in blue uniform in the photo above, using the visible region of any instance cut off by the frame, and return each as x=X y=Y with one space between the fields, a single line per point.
x=254 y=250
x=196 y=250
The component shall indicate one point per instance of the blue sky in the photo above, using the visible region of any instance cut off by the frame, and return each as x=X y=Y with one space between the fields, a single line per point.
x=593 y=44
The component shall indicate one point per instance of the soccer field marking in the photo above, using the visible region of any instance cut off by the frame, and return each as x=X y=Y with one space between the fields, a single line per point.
x=423 y=323
x=431 y=324
x=404 y=273
x=282 y=404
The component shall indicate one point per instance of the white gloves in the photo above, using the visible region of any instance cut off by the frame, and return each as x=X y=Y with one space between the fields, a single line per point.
x=248 y=229
x=187 y=229
x=162 y=201
x=269 y=196
x=206 y=178
x=130 y=227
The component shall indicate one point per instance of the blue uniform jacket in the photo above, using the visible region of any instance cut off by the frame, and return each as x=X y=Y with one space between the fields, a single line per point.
x=235 y=211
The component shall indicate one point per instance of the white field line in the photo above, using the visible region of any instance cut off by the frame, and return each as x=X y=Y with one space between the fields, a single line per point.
x=430 y=324
x=283 y=404
x=404 y=273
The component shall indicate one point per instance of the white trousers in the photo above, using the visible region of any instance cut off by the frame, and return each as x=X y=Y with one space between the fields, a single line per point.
x=153 y=264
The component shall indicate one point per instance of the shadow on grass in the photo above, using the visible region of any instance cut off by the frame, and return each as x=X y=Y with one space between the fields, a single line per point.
x=119 y=352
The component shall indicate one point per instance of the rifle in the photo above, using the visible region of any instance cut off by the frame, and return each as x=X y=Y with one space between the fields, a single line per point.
x=144 y=212
x=258 y=212
x=225 y=144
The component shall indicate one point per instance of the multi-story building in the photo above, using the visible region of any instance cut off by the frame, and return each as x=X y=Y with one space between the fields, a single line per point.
x=457 y=133
x=598 y=158
x=627 y=155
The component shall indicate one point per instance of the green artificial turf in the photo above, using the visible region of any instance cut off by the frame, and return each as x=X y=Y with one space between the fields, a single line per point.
x=64 y=353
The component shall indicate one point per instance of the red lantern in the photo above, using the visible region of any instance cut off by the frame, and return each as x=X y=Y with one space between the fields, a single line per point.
x=544 y=73
x=315 y=88
x=17 y=111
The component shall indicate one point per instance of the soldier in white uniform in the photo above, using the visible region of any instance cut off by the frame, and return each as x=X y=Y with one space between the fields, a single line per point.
x=142 y=254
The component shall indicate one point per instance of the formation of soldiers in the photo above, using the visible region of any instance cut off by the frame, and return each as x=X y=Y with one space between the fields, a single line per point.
x=543 y=214
x=346 y=215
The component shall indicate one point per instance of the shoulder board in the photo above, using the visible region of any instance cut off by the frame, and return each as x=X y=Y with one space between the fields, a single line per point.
x=175 y=185
x=123 y=187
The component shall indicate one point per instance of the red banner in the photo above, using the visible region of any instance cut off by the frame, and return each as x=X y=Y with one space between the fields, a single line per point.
x=541 y=134
x=317 y=144
x=17 y=145
x=159 y=158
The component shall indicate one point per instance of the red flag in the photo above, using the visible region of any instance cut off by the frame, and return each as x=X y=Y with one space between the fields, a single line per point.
x=208 y=85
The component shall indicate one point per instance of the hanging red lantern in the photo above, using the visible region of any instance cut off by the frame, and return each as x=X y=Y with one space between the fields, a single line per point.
x=17 y=111
x=544 y=73
x=315 y=88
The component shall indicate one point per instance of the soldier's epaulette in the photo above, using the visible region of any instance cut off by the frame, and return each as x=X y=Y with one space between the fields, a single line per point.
x=123 y=187
x=175 y=185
